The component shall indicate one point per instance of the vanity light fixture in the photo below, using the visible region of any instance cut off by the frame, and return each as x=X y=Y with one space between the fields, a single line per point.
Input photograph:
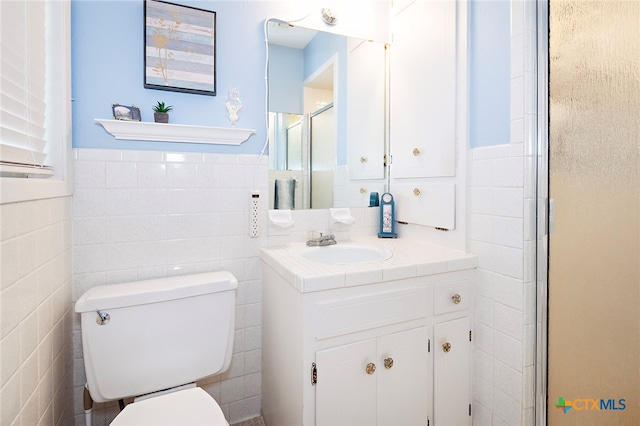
x=329 y=16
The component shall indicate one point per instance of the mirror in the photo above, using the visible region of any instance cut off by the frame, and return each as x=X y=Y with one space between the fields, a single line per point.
x=327 y=118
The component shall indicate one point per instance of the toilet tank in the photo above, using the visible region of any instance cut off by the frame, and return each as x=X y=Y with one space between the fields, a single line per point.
x=159 y=333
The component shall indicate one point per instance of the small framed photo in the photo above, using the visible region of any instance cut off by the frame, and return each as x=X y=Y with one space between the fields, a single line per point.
x=126 y=113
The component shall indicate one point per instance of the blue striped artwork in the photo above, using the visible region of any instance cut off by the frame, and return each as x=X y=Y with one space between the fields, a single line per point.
x=180 y=48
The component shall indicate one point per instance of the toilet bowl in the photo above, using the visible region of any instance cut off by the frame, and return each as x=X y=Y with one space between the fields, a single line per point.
x=153 y=340
x=185 y=407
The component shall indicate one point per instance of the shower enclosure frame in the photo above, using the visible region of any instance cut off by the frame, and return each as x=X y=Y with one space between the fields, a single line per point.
x=540 y=144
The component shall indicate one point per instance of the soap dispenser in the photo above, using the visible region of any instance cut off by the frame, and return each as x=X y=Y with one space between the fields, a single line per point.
x=387 y=217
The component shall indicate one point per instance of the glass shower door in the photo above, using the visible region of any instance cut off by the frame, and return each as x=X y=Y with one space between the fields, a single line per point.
x=322 y=157
x=594 y=241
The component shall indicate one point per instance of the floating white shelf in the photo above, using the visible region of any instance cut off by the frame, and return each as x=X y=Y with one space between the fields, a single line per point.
x=184 y=133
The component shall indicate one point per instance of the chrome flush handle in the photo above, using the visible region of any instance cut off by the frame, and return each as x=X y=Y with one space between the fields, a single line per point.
x=103 y=317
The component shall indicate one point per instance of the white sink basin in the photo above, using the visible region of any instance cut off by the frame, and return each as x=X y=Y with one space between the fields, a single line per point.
x=345 y=254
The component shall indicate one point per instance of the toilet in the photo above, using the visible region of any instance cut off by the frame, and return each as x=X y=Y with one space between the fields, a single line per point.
x=152 y=340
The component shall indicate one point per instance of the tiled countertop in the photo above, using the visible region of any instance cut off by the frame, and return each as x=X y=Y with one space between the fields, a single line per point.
x=410 y=259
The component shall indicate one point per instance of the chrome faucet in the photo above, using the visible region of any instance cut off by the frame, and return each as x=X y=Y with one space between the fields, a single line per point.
x=319 y=239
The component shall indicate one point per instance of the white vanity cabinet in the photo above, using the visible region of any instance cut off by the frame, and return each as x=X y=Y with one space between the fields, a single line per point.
x=365 y=354
x=374 y=381
x=452 y=354
x=451 y=372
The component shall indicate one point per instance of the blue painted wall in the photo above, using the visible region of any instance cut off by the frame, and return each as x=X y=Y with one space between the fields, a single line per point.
x=490 y=72
x=107 y=56
x=286 y=67
x=107 y=49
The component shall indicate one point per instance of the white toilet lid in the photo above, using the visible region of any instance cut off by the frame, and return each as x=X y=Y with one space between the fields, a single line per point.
x=186 y=407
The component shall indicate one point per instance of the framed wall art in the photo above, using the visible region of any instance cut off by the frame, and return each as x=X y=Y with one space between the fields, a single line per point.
x=180 y=48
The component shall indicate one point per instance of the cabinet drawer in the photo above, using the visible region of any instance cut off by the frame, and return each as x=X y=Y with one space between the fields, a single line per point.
x=345 y=316
x=452 y=297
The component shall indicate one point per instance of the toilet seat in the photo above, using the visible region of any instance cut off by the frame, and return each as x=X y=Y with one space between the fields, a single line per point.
x=192 y=406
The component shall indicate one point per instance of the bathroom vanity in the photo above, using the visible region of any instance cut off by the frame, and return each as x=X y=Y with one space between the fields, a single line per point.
x=361 y=338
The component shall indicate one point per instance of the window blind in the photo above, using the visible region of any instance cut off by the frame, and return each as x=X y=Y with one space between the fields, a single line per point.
x=23 y=105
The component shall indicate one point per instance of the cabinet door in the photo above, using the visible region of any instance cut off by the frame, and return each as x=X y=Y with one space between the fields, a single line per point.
x=404 y=386
x=366 y=121
x=452 y=373
x=345 y=392
x=423 y=90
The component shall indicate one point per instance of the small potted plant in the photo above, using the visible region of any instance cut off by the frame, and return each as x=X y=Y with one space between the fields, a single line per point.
x=161 y=112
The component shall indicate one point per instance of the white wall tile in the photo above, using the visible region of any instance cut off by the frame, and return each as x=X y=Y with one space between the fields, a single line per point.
x=88 y=202
x=10 y=399
x=141 y=157
x=508 y=202
x=152 y=175
x=481 y=200
x=507 y=290
x=507 y=231
x=208 y=175
x=246 y=409
x=483 y=338
x=98 y=154
x=28 y=335
x=9 y=271
x=89 y=258
x=517 y=98
x=508 y=320
x=508 y=261
x=10 y=351
x=232 y=390
x=9 y=309
x=508 y=172
x=482 y=173
x=181 y=175
x=505 y=264
x=28 y=287
x=94 y=172
x=517 y=131
x=484 y=283
x=120 y=175
x=34 y=298
x=184 y=201
x=152 y=201
x=485 y=253
x=483 y=365
x=252 y=384
x=506 y=408
x=481 y=414
x=484 y=389
x=174 y=214
x=253 y=338
x=507 y=350
x=483 y=310
x=517 y=55
x=120 y=202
